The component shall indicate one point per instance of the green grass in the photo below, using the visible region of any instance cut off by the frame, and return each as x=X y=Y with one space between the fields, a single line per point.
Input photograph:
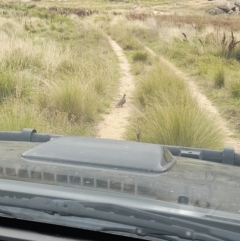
x=140 y=56
x=199 y=57
x=16 y=115
x=235 y=89
x=219 y=77
x=7 y=84
x=167 y=114
x=55 y=80
x=81 y=103
x=177 y=125
x=59 y=72
x=126 y=39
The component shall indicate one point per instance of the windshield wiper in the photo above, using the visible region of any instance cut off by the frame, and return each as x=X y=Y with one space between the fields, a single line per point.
x=146 y=223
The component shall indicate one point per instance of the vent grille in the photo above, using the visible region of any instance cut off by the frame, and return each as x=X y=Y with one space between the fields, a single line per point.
x=36 y=175
x=75 y=181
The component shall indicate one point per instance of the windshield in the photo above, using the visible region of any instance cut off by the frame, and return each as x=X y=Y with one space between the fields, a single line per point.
x=134 y=76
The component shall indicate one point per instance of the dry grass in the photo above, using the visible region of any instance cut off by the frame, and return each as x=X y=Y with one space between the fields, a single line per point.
x=229 y=23
x=167 y=114
x=196 y=44
x=57 y=74
x=193 y=50
x=41 y=46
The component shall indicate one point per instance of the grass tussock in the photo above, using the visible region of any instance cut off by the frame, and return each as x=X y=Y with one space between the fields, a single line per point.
x=167 y=114
x=16 y=115
x=177 y=125
x=81 y=103
x=7 y=84
x=54 y=80
x=235 y=89
x=219 y=77
x=140 y=56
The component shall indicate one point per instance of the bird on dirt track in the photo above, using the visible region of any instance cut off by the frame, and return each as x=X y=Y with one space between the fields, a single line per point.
x=122 y=101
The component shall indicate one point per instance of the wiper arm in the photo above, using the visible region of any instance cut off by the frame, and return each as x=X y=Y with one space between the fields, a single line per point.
x=148 y=224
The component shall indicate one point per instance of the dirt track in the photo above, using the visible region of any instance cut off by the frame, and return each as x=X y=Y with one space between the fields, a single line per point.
x=114 y=124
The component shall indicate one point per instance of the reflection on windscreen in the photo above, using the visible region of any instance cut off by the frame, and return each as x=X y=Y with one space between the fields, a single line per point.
x=202 y=190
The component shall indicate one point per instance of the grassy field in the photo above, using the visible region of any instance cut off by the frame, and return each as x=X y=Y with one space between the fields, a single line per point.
x=165 y=110
x=59 y=73
x=206 y=48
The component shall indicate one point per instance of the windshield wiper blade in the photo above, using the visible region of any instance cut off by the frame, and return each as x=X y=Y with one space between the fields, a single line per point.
x=150 y=224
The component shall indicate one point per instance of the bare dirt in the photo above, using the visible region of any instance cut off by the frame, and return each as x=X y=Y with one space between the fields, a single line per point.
x=114 y=123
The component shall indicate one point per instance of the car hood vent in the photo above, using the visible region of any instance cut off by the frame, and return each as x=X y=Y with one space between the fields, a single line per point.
x=103 y=153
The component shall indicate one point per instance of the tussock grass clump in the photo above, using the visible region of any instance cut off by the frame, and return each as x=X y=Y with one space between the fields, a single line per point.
x=140 y=56
x=219 y=77
x=178 y=125
x=235 y=89
x=167 y=114
x=18 y=59
x=55 y=84
x=79 y=102
x=206 y=65
x=16 y=115
x=7 y=84
x=159 y=85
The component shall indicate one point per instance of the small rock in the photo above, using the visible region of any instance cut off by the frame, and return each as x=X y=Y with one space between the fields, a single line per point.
x=215 y=11
x=224 y=7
